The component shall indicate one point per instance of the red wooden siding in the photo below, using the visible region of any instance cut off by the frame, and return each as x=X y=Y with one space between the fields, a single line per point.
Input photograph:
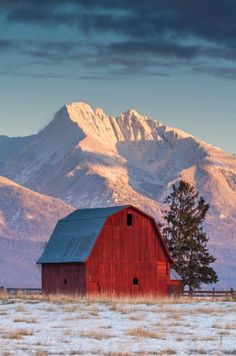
x=123 y=253
x=55 y=275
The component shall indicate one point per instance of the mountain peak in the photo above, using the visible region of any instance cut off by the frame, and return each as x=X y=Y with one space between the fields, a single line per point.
x=79 y=106
x=132 y=112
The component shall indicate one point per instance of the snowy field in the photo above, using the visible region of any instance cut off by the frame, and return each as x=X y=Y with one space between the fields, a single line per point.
x=90 y=327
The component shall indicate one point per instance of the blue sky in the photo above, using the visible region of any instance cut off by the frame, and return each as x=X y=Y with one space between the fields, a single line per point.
x=174 y=60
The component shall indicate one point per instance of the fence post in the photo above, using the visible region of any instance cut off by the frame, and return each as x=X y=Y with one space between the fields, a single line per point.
x=232 y=292
x=213 y=293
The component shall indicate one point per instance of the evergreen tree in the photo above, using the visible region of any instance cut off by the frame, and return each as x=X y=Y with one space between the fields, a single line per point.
x=185 y=238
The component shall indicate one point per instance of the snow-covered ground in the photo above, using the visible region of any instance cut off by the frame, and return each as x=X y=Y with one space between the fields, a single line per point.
x=36 y=327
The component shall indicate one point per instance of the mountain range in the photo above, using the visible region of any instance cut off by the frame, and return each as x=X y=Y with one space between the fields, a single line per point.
x=86 y=158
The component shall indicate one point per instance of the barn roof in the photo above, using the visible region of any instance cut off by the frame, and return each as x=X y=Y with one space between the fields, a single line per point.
x=174 y=276
x=75 y=235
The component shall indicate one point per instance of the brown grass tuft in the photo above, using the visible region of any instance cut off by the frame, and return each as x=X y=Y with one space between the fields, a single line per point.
x=197 y=352
x=20 y=309
x=29 y=321
x=94 y=334
x=141 y=332
x=17 y=334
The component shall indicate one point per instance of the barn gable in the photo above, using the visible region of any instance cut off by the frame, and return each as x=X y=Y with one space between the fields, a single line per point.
x=75 y=235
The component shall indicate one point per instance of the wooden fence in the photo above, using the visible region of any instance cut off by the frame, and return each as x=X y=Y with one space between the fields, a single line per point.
x=211 y=293
x=21 y=290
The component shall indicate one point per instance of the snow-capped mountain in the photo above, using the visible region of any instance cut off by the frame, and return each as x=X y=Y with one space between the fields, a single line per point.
x=27 y=219
x=88 y=158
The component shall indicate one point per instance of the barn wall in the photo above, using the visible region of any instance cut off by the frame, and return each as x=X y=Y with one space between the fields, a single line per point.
x=123 y=253
x=55 y=275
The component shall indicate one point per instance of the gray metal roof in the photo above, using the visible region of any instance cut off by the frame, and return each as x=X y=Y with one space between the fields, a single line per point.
x=174 y=275
x=75 y=235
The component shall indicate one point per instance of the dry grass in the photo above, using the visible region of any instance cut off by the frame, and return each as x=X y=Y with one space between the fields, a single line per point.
x=67 y=333
x=230 y=326
x=179 y=339
x=41 y=353
x=141 y=332
x=71 y=308
x=216 y=326
x=117 y=308
x=95 y=334
x=174 y=317
x=224 y=333
x=148 y=299
x=94 y=311
x=135 y=317
x=96 y=298
x=166 y=351
x=83 y=316
x=29 y=321
x=17 y=334
x=108 y=326
x=3 y=295
x=20 y=309
x=202 y=338
x=174 y=325
x=2 y=313
x=197 y=352
x=50 y=309
x=208 y=310
x=118 y=354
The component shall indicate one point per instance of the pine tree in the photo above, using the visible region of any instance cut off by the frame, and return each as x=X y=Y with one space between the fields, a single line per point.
x=185 y=238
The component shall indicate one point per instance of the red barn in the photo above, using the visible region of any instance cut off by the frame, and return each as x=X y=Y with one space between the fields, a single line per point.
x=107 y=250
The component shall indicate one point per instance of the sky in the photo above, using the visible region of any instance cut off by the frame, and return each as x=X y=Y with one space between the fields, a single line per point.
x=173 y=60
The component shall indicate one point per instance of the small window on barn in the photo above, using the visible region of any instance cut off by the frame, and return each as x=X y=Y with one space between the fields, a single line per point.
x=135 y=281
x=129 y=219
x=65 y=280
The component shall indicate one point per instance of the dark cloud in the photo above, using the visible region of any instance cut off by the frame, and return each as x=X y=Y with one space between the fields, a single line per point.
x=6 y=44
x=213 y=20
x=131 y=36
x=221 y=72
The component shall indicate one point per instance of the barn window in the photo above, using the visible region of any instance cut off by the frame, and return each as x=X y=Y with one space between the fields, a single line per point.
x=65 y=280
x=135 y=281
x=129 y=219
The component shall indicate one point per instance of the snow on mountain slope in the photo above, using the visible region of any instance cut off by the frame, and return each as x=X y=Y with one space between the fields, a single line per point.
x=9 y=146
x=88 y=158
x=85 y=144
x=27 y=219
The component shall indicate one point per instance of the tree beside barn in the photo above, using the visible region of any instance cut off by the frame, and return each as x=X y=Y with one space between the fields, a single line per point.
x=185 y=237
